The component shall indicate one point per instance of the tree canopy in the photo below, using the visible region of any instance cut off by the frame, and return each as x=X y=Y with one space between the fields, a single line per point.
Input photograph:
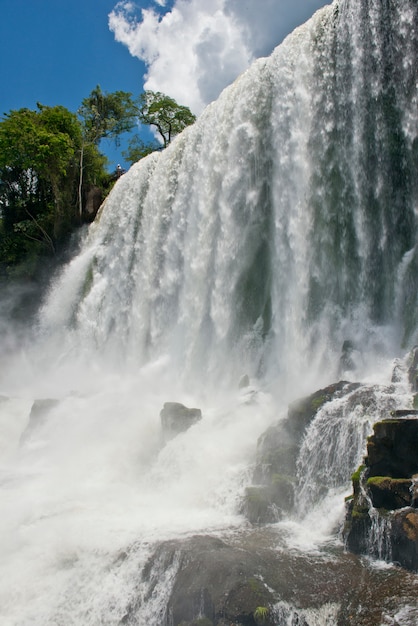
x=50 y=164
x=168 y=117
x=107 y=115
x=39 y=173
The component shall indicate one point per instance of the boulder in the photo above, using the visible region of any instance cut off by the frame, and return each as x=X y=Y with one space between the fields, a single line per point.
x=244 y=381
x=177 y=418
x=38 y=416
x=249 y=578
x=392 y=450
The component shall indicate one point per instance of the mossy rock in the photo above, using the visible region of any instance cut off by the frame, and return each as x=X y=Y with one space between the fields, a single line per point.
x=357 y=525
x=243 y=601
x=389 y=493
x=356 y=477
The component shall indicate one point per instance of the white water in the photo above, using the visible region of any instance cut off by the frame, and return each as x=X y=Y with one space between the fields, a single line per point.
x=247 y=247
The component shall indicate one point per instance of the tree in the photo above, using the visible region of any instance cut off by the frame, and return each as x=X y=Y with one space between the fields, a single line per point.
x=138 y=149
x=37 y=157
x=161 y=111
x=106 y=115
x=39 y=172
x=103 y=116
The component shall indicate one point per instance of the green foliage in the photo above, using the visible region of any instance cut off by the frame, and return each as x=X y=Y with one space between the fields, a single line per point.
x=39 y=178
x=161 y=111
x=261 y=613
x=138 y=149
x=50 y=161
x=106 y=115
x=357 y=474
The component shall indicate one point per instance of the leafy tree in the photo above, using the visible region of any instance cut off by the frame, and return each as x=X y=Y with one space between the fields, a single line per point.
x=103 y=116
x=39 y=172
x=106 y=115
x=161 y=111
x=137 y=149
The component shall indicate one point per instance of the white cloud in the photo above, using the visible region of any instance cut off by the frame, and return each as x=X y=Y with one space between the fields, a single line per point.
x=196 y=48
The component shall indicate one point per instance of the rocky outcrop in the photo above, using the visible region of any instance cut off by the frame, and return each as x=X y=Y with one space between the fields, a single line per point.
x=247 y=579
x=382 y=519
x=93 y=198
x=177 y=418
x=272 y=492
x=38 y=416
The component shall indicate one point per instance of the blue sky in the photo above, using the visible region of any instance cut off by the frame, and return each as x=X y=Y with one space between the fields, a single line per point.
x=57 y=51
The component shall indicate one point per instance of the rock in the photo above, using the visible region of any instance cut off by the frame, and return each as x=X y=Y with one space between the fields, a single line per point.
x=347 y=362
x=272 y=493
x=389 y=493
x=265 y=503
x=38 y=416
x=92 y=202
x=247 y=577
x=404 y=538
x=392 y=450
x=244 y=381
x=381 y=516
x=177 y=418
x=413 y=368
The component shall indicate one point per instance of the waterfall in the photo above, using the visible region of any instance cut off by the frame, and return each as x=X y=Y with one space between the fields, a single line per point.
x=277 y=229
x=280 y=225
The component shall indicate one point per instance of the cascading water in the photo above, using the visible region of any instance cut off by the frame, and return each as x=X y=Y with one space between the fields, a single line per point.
x=278 y=227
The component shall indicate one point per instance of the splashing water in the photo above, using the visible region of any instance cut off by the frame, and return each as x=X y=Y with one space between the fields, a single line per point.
x=280 y=225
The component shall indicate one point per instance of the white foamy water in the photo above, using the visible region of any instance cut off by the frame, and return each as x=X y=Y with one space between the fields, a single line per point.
x=279 y=226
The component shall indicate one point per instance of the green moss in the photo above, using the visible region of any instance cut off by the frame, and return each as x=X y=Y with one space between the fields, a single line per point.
x=255 y=585
x=379 y=480
x=415 y=401
x=318 y=402
x=359 y=511
x=390 y=420
x=355 y=478
x=261 y=614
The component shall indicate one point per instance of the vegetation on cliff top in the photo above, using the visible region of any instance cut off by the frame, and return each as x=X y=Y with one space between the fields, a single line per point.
x=53 y=175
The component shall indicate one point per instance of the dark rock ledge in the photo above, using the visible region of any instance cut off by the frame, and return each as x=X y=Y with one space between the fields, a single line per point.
x=382 y=515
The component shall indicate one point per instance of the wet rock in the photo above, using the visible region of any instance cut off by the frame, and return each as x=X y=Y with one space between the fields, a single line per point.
x=266 y=503
x=272 y=493
x=389 y=493
x=177 y=418
x=244 y=381
x=250 y=578
x=38 y=416
x=404 y=538
x=413 y=368
x=381 y=517
x=392 y=450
